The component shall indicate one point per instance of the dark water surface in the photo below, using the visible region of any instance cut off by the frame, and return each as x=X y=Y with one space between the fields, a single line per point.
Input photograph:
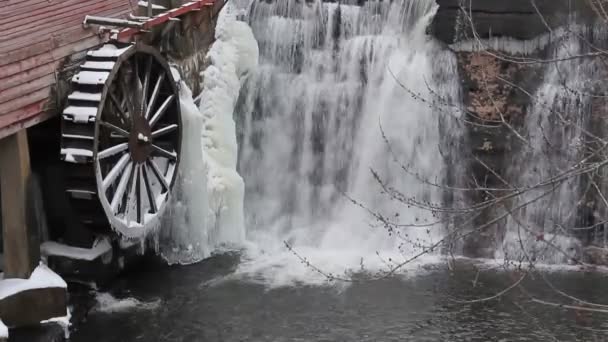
x=197 y=303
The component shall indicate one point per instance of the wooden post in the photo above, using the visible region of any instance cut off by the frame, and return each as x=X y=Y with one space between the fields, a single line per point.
x=21 y=251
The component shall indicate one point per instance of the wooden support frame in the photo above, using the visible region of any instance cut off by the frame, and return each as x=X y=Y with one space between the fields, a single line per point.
x=127 y=34
x=20 y=239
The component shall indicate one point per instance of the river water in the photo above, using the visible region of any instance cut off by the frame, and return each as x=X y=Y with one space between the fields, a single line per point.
x=209 y=302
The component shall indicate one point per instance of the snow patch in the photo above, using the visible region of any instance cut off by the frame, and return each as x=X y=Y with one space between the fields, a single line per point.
x=100 y=247
x=154 y=6
x=42 y=277
x=107 y=303
x=3 y=330
x=63 y=321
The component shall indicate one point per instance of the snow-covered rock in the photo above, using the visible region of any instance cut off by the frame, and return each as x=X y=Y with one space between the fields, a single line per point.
x=42 y=277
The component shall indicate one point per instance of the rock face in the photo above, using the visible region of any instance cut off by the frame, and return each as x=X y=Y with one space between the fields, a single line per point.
x=518 y=19
x=496 y=90
x=595 y=255
x=491 y=99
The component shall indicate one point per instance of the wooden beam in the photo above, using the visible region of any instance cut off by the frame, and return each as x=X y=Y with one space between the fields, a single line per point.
x=21 y=250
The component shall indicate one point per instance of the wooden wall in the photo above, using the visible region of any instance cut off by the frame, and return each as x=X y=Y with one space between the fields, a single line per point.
x=40 y=42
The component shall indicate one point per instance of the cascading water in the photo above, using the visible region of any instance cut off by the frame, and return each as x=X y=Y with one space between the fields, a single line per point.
x=556 y=129
x=333 y=79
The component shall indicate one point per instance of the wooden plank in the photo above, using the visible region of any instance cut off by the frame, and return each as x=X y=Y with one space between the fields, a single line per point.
x=56 y=35
x=19 y=249
x=49 y=56
x=35 y=48
x=34 y=119
x=21 y=102
x=40 y=8
x=38 y=43
x=9 y=8
x=126 y=34
x=26 y=88
x=67 y=17
x=28 y=75
x=74 y=14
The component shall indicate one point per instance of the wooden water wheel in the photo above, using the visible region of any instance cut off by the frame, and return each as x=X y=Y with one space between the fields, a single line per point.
x=121 y=139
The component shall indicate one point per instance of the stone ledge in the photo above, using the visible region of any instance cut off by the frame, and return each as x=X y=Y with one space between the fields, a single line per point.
x=498 y=18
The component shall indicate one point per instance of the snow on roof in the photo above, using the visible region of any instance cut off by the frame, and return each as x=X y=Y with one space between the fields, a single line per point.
x=42 y=277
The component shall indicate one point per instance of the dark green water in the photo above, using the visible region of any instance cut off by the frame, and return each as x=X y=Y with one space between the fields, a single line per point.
x=203 y=303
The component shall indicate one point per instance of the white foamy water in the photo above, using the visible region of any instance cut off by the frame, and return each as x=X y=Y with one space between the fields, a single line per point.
x=309 y=119
x=109 y=304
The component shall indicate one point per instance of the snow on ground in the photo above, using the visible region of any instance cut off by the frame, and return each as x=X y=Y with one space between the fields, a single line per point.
x=109 y=304
x=42 y=277
x=3 y=330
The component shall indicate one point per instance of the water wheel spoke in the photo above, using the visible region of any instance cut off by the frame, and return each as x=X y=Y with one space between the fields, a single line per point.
x=131 y=196
x=138 y=201
x=120 y=105
x=158 y=174
x=164 y=153
x=164 y=130
x=148 y=186
x=122 y=186
x=112 y=150
x=154 y=95
x=161 y=110
x=115 y=171
x=146 y=85
x=115 y=129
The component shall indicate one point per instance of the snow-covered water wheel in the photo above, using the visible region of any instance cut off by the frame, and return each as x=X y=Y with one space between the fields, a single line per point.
x=121 y=138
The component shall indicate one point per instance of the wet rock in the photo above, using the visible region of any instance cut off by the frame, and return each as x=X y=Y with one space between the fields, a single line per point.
x=595 y=255
x=32 y=306
x=489 y=98
x=541 y=247
x=49 y=332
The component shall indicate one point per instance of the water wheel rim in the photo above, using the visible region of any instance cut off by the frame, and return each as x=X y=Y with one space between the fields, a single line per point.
x=128 y=173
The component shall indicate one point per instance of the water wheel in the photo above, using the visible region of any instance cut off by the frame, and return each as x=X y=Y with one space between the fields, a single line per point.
x=121 y=138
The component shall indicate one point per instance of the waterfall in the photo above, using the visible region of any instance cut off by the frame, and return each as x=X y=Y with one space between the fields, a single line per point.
x=557 y=128
x=335 y=80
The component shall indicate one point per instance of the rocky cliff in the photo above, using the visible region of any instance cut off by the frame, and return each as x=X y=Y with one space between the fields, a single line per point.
x=497 y=43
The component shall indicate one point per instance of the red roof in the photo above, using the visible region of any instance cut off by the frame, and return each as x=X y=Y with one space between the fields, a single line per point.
x=38 y=36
